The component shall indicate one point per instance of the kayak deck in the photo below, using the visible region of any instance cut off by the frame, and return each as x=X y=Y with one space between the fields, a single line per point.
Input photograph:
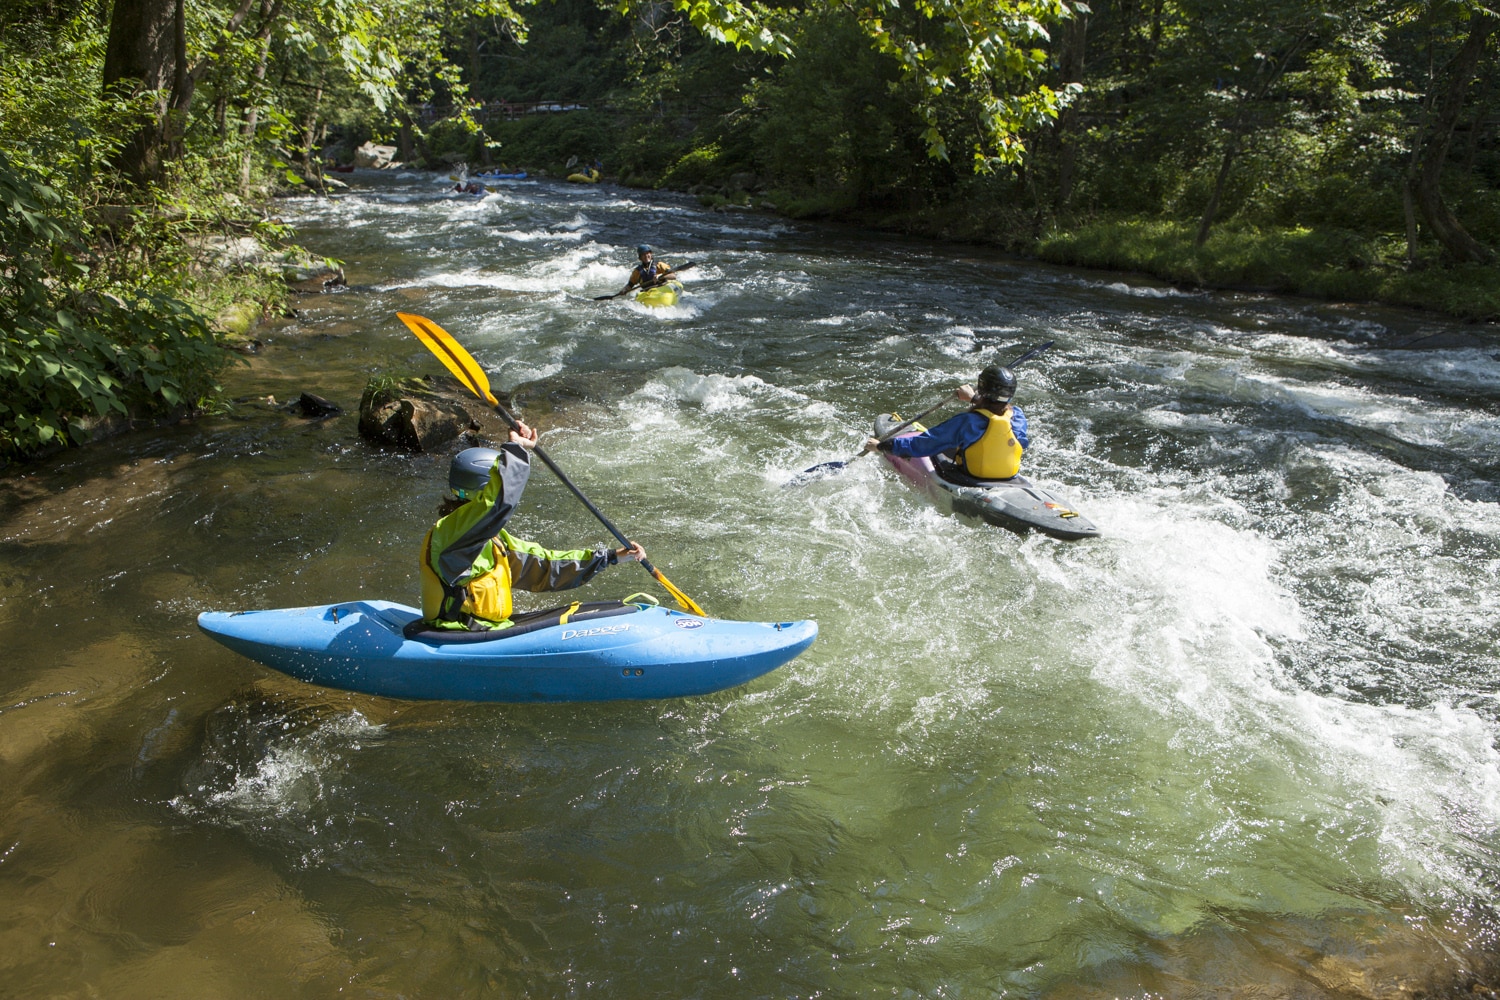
x=1016 y=504
x=648 y=652
x=660 y=295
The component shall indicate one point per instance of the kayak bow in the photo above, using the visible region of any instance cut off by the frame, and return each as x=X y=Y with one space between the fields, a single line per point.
x=1016 y=504
x=665 y=294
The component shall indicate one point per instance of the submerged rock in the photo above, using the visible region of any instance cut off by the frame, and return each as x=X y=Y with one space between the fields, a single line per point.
x=305 y=273
x=1442 y=341
x=311 y=405
x=426 y=413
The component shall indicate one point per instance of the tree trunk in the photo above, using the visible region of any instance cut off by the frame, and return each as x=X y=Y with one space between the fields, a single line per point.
x=1075 y=38
x=1125 y=10
x=1409 y=212
x=312 y=166
x=1241 y=133
x=1155 y=35
x=405 y=146
x=1427 y=186
x=1231 y=150
x=252 y=113
x=146 y=51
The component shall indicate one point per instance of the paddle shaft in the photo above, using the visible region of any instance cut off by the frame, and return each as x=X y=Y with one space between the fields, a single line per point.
x=925 y=413
x=563 y=478
x=464 y=368
x=642 y=286
x=667 y=274
x=829 y=468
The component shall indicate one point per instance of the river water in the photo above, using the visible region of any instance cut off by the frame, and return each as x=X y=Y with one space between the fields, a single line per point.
x=1243 y=743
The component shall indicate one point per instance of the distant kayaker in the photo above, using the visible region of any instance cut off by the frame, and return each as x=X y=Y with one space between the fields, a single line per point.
x=648 y=272
x=470 y=564
x=986 y=442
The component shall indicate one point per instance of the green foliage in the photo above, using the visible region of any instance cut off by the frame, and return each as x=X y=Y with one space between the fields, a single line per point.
x=696 y=167
x=989 y=55
x=78 y=348
x=991 y=51
x=1324 y=263
x=549 y=141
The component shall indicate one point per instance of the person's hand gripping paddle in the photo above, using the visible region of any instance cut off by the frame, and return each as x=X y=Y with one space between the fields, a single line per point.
x=825 y=469
x=463 y=366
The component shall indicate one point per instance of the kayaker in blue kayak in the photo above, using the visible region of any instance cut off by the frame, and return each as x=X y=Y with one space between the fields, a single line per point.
x=987 y=442
x=470 y=564
x=646 y=274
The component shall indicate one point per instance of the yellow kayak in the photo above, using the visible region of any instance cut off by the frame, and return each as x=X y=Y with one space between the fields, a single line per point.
x=660 y=295
x=592 y=177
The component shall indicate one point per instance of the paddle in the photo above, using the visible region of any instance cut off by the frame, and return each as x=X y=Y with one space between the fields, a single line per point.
x=660 y=278
x=458 y=361
x=825 y=469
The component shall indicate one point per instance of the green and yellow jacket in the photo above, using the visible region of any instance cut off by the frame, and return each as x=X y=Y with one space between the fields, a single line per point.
x=470 y=564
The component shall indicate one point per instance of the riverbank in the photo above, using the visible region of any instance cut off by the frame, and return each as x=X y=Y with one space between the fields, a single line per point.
x=1332 y=264
x=1316 y=261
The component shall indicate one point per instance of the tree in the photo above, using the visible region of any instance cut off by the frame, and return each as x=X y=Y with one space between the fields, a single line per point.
x=1430 y=151
x=990 y=54
x=146 y=53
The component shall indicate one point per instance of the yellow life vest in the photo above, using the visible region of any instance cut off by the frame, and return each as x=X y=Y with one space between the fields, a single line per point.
x=487 y=596
x=996 y=455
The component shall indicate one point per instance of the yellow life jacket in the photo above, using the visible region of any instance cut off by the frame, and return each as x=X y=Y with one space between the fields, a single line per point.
x=996 y=455
x=486 y=596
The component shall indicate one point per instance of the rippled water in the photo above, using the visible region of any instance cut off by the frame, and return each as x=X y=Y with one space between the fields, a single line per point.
x=1243 y=741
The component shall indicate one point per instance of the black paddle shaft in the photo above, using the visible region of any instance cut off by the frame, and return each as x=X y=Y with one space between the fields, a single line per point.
x=1025 y=357
x=667 y=274
x=643 y=285
x=562 y=476
x=829 y=468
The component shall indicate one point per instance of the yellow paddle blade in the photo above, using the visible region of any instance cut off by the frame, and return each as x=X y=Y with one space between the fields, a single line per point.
x=451 y=353
x=684 y=602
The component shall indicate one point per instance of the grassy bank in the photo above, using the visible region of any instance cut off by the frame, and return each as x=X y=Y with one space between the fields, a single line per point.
x=1314 y=261
x=1320 y=263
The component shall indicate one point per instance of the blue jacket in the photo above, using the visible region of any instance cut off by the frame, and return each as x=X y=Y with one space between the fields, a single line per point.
x=954 y=435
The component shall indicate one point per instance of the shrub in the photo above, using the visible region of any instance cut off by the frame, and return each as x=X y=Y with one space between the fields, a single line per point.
x=76 y=348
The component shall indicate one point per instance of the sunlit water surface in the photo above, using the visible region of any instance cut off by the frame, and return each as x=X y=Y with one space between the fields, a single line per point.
x=1243 y=741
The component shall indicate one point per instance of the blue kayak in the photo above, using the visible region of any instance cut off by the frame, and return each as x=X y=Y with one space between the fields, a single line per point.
x=601 y=651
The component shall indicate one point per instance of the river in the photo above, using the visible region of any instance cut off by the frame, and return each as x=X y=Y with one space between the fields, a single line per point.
x=1242 y=743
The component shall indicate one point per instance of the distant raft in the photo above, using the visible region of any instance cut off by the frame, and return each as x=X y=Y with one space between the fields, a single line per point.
x=665 y=294
x=599 y=651
x=1016 y=504
x=592 y=177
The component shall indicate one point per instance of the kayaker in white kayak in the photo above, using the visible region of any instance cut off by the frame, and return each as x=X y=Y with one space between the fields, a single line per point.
x=987 y=442
x=470 y=564
x=646 y=274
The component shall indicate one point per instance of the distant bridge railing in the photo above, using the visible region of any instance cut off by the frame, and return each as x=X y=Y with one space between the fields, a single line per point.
x=484 y=112
x=488 y=111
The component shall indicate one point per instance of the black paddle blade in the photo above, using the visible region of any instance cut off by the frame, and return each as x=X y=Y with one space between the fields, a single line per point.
x=815 y=473
x=1032 y=353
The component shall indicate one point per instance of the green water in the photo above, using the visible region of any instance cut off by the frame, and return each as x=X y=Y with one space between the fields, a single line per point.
x=1243 y=742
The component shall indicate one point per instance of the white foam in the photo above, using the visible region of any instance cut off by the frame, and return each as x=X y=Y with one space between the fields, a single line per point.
x=290 y=777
